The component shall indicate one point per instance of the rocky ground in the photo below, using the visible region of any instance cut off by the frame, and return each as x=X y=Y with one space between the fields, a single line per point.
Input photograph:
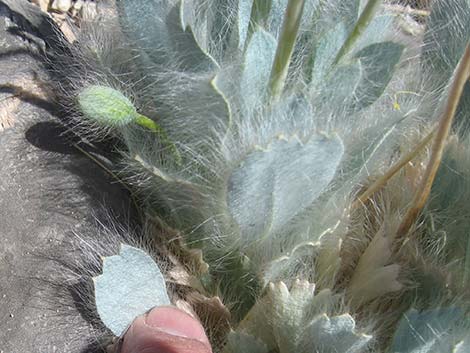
x=49 y=190
x=69 y=13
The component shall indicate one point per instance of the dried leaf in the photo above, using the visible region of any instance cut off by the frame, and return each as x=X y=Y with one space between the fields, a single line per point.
x=374 y=276
x=8 y=108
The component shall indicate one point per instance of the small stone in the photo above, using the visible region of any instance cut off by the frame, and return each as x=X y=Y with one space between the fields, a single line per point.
x=77 y=6
x=59 y=17
x=68 y=32
x=89 y=11
x=43 y=4
x=61 y=5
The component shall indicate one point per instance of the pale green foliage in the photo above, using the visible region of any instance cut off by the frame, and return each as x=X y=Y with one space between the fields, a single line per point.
x=444 y=43
x=268 y=189
x=450 y=202
x=241 y=342
x=130 y=285
x=257 y=64
x=439 y=330
x=302 y=257
x=297 y=320
x=262 y=146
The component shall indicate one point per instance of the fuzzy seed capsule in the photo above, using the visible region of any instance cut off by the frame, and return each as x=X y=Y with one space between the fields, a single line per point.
x=106 y=106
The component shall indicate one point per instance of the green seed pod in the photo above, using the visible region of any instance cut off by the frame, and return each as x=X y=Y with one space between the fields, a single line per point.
x=106 y=106
x=109 y=107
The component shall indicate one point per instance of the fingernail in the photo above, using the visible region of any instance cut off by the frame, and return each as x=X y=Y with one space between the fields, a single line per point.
x=166 y=330
x=176 y=323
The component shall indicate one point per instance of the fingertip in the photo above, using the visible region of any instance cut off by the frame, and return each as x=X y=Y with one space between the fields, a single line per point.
x=176 y=322
x=166 y=330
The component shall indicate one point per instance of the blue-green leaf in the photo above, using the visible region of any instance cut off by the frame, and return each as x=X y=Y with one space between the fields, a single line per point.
x=448 y=31
x=145 y=24
x=326 y=51
x=258 y=62
x=238 y=342
x=378 y=62
x=274 y=184
x=301 y=258
x=378 y=30
x=162 y=32
x=462 y=346
x=349 y=12
x=131 y=284
x=189 y=52
x=244 y=15
x=276 y=16
x=342 y=85
x=335 y=334
x=427 y=331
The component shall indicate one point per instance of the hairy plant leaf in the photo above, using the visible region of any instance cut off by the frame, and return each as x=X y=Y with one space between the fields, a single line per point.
x=448 y=25
x=276 y=16
x=333 y=335
x=379 y=30
x=349 y=12
x=361 y=80
x=190 y=55
x=326 y=51
x=378 y=62
x=131 y=284
x=145 y=23
x=427 y=332
x=294 y=263
x=462 y=346
x=258 y=61
x=272 y=185
x=244 y=16
x=162 y=30
x=336 y=84
x=295 y=320
x=244 y=343
x=342 y=84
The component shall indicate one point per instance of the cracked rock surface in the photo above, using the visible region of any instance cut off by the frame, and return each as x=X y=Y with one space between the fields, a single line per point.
x=48 y=192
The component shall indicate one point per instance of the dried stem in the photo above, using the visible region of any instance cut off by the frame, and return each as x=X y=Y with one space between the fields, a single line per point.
x=461 y=76
x=380 y=182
